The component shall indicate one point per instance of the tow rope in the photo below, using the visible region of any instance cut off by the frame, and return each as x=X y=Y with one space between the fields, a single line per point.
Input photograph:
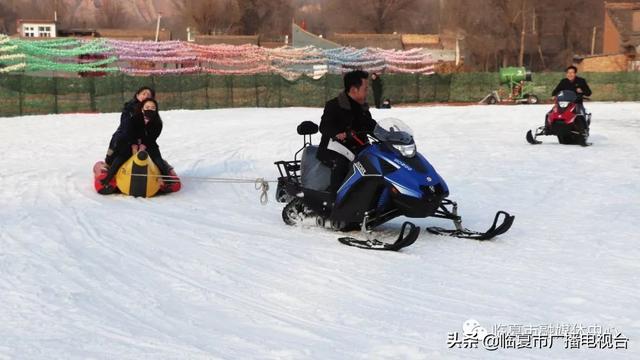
x=260 y=184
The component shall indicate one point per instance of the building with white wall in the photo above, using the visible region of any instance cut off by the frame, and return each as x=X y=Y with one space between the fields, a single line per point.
x=37 y=28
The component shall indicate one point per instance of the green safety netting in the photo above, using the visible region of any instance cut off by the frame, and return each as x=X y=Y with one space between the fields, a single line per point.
x=23 y=94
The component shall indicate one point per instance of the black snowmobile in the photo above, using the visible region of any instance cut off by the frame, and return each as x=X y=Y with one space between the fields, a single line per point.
x=388 y=178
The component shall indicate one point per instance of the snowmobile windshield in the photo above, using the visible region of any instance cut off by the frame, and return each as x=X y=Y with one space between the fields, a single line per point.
x=394 y=131
x=567 y=96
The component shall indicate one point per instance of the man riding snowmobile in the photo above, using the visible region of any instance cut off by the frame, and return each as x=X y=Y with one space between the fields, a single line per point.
x=573 y=83
x=345 y=123
x=568 y=119
x=388 y=178
x=364 y=174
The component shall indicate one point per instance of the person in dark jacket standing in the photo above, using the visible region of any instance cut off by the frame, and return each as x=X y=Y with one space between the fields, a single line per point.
x=377 y=86
x=345 y=122
x=574 y=83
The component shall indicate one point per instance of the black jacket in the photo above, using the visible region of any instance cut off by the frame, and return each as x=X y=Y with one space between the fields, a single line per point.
x=376 y=85
x=343 y=114
x=578 y=83
x=146 y=134
x=122 y=136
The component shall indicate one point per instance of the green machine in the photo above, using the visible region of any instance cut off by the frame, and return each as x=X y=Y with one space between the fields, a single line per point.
x=520 y=89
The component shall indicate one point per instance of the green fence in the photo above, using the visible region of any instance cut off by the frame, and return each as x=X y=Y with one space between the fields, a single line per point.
x=23 y=95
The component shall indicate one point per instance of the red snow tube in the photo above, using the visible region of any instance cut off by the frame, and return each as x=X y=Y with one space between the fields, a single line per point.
x=171 y=184
x=100 y=170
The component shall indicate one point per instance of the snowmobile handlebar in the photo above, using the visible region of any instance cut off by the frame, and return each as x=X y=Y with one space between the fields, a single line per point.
x=354 y=136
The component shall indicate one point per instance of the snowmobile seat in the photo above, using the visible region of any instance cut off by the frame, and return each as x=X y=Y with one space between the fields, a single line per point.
x=314 y=174
x=307 y=128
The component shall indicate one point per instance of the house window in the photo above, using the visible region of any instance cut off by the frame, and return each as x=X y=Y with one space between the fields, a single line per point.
x=636 y=21
x=29 y=31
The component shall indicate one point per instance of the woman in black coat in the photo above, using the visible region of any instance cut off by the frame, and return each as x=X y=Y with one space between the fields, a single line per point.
x=129 y=109
x=139 y=132
x=146 y=128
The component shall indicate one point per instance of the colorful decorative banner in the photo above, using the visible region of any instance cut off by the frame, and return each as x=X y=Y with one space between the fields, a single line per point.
x=178 y=57
x=68 y=55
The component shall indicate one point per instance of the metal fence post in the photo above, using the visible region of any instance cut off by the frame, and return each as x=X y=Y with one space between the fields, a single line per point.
x=637 y=89
x=230 y=91
x=122 y=88
x=180 y=91
x=20 y=95
x=55 y=95
x=255 y=85
x=206 y=90
x=417 y=88
x=92 y=93
x=326 y=87
x=279 y=78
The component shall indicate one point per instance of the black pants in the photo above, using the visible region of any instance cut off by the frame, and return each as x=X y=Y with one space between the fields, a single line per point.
x=115 y=159
x=339 y=169
x=377 y=98
x=156 y=157
x=117 y=154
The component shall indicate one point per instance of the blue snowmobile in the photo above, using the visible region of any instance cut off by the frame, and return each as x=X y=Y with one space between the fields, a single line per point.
x=388 y=178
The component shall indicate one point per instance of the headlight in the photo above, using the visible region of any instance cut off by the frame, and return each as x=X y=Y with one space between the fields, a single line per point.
x=406 y=150
x=563 y=104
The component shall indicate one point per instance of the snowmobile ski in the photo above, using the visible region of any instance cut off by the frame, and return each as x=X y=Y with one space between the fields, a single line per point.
x=583 y=141
x=402 y=241
x=465 y=233
x=532 y=139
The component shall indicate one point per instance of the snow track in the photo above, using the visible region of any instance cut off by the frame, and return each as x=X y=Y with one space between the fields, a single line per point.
x=210 y=273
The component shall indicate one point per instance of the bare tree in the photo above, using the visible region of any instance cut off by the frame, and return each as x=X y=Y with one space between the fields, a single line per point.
x=323 y=17
x=372 y=15
x=382 y=13
x=32 y=9
x=212 y=17
x=312 y=16
x=493 y=31
x=7 y=18
x=113 y=14
x=265 y=16
x=483 y=34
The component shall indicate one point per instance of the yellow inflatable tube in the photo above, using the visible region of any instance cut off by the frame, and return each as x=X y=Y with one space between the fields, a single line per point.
x=139 y=176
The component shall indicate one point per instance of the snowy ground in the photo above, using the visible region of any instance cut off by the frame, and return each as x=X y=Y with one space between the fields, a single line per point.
x=210 y=273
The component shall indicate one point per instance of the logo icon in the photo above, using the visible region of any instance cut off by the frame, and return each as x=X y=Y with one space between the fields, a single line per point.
x=473 y=329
